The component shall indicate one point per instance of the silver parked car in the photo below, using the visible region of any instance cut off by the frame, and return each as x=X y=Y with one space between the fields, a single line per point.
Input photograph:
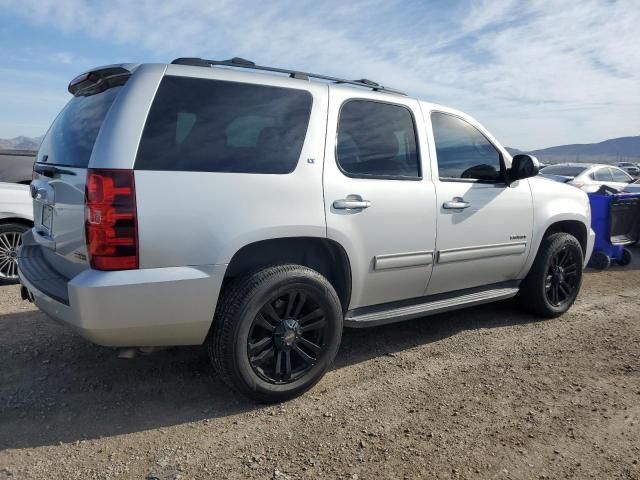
x=259 y=213
x=589 y=177
x=16 y=217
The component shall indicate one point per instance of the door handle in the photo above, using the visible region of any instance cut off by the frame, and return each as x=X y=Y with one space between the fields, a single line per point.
x=456 y=203
x=351 y=204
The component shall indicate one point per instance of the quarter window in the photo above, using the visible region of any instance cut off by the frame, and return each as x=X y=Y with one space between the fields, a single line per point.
x=215 y=126
x=619 y=176
x=463 y=152
x=377 y=140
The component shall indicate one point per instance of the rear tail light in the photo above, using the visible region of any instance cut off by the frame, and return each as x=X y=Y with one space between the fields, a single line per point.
x=111 y=223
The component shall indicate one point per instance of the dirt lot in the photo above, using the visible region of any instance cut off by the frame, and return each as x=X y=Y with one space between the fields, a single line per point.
x=482 y=393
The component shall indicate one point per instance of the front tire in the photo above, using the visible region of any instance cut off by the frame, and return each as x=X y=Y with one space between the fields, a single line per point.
x=554 y=281
x=276 y=332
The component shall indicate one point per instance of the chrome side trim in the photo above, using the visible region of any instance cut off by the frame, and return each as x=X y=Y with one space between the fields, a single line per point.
x=401 y=260
x=381 y=317
x=485 y=251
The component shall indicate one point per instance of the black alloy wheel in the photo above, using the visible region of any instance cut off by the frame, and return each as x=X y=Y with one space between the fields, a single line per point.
x=562 y=277
x=286 y=338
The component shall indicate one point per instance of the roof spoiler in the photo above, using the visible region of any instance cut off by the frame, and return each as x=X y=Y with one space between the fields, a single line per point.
x=100 y=79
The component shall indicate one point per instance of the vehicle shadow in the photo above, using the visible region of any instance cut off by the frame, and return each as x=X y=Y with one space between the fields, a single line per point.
x=57 y=387
x=363 y=344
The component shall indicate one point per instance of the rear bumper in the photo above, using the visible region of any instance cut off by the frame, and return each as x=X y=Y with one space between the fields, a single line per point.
x=148 y=307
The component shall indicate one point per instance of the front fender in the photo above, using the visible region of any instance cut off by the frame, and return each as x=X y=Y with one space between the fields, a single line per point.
x=555 y=202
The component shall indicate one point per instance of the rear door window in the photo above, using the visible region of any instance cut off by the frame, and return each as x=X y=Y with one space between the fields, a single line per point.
x=377 y=140
x=217 y=126
x=73 y=133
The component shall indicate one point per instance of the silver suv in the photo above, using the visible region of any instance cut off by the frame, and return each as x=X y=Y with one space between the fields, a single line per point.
x=204 y=202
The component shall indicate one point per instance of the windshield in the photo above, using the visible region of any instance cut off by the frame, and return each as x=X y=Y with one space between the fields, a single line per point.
x=70 y=139
x=563 y=170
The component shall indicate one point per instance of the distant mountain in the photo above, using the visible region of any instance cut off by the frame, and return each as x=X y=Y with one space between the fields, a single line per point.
x=623 y=147
x=609 y=151
x=21 y=143
x=513 y=151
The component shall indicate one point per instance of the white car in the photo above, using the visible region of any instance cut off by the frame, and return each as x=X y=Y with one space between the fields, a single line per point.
x=589 y=177
x=16 y=217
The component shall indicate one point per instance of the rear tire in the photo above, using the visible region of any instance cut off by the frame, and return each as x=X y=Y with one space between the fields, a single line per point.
x=276 y=332
x=10 y=240
x=554 y=281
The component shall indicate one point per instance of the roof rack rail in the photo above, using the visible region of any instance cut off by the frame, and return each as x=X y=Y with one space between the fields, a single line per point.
x=243 y=63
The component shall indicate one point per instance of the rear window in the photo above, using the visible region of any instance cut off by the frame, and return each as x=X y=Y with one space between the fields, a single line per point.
x=563 y=170
x=70 y=139
x=215 y=126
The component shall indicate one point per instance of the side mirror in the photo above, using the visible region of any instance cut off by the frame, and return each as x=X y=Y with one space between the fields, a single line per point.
x=522 y=166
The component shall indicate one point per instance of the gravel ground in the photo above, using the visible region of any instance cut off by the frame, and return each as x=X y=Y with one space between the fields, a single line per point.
x=487 y=392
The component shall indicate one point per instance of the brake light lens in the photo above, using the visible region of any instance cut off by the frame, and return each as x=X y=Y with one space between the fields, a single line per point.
x=111 y=223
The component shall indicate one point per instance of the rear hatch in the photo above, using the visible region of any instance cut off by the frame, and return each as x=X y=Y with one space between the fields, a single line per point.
x=60 y=171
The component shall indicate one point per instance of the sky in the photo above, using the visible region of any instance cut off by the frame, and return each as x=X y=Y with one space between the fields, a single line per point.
x=536 y=73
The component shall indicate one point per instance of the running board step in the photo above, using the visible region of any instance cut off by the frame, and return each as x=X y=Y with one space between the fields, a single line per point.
x=383 y=314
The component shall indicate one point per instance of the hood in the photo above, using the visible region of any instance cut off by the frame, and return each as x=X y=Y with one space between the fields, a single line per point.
x=558 y=189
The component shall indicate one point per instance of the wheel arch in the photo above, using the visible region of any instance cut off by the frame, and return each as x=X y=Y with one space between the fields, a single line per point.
x=572 y=227
x=326 y=256
x=572 y=224
x=12 y=219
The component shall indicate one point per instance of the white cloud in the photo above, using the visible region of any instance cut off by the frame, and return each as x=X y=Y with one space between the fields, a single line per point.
x=536 y=73
x=65 y=58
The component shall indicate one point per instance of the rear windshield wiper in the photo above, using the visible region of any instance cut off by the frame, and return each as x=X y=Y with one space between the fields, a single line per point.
x=51 y=170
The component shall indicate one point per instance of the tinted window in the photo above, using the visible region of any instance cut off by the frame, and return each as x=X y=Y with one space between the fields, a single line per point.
x=214 y=126
x=619 y=175
x=564 y=170
x=462 y=151
x=603 y=175
x=70 y=139
x=377 y=140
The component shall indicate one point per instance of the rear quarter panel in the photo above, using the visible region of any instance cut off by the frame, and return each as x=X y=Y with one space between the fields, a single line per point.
x=202 y=218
